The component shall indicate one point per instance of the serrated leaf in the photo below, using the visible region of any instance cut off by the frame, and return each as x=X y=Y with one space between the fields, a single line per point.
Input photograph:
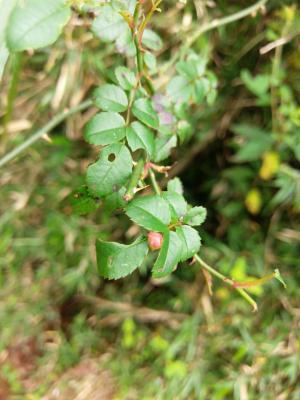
x=190 y=241
x=109 y=25
x=35 y=23
x=152 y=40
x=175 y=185
x=111 y=170
x=163 y=146
x=117 y=260
x=150 y=212
x=126 y=78
x=143 y=110
x=105 y=128
x=177 y=203
x=140 y=137
x=195 y=216
x=169 y=255
x=111 y=98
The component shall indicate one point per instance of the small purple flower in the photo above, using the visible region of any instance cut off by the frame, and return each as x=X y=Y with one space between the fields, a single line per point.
x=166 y=118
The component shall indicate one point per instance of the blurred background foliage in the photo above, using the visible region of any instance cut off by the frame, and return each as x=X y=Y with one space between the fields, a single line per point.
x=66 y=333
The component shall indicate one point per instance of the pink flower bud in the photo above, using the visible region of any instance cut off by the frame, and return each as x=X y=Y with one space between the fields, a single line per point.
x=155 y=240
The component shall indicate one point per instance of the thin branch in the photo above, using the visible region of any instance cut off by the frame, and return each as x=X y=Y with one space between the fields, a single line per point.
x=42 y=131
x=226 y=280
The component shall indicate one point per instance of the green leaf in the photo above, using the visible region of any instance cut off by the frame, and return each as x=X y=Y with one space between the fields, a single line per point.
x=278 y=276
x=169 y=255
x=152 y=40
x=177 y=203
x=258 y=85
x=111 y=98
x=184 y=131
x=190 y=241
x=117 y=260
x=109 y=25
x=150 y=212
x=105 y=128
x=175 y=185
x=140 y=137
x=114 y=201
x=195 y=216
x=111 y=170
x=143 y=110
x=179 y=89
x=163 y=146
x=126 y=78
x=82 y=202
x=36 y=23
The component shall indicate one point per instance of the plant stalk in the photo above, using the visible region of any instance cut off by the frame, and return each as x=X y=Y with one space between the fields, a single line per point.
x=229 y=282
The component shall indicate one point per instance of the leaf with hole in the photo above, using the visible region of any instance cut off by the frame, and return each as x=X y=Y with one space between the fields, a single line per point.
x=111 y=98
x=105 y=128
x=143 y=110
x=140 y=137
x=150 y=212
x=35 y=23
x=111 y=171
x=117 y=260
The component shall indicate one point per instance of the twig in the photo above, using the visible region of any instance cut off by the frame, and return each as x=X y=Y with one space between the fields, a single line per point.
x=42 y=131
x=216 y=23
x=226 y=280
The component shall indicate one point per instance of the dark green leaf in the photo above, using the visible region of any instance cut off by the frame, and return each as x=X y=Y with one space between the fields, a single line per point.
x=117 y=260
x=150 y=212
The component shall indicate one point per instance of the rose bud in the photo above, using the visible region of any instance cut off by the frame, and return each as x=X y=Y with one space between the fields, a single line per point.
x=155 y=240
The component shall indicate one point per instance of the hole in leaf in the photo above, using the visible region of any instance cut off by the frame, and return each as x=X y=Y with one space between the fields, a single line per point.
x=111 y=157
